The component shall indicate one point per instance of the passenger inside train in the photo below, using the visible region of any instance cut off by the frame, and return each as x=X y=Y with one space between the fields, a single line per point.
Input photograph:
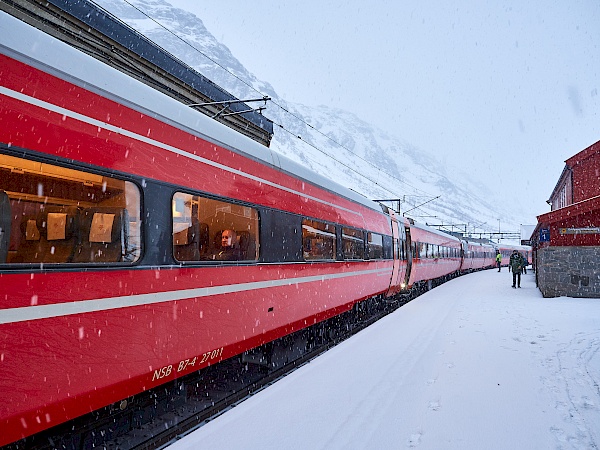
x=233 y=228
x=230 y=249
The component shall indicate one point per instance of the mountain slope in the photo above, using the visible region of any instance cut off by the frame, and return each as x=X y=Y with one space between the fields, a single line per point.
x=332 y=142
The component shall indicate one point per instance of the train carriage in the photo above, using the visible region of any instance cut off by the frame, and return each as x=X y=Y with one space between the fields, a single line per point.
x=434 y=254
x=479 y=256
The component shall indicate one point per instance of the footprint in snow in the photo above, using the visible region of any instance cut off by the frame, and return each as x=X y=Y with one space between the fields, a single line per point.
x=434 y=406
x=414 y=440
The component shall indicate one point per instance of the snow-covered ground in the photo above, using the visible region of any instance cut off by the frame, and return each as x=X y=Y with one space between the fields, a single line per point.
x=473 y=364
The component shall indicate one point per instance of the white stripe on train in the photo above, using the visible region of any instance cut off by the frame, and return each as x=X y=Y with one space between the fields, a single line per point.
x=13 y=315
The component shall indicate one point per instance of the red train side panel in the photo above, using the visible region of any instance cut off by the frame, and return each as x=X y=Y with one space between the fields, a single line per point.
x=436 y=254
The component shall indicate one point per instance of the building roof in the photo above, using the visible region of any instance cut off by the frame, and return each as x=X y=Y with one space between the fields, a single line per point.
x=583 y=155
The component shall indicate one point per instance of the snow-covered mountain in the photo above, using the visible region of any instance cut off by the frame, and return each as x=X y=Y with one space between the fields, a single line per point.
x=332 y=142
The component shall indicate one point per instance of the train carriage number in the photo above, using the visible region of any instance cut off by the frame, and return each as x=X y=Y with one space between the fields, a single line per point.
x=187 y=363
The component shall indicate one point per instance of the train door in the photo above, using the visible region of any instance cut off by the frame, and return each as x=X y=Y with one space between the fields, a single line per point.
x=398 y=279
x=409 y=254
x=395 y=236
x=465 y=262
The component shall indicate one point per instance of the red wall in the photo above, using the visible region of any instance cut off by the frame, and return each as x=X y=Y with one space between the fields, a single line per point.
x=586 y=173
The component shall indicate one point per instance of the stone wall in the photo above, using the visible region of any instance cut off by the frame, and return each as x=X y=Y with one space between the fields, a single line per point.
x=569 y=271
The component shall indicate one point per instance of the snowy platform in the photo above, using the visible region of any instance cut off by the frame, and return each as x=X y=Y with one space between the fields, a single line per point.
x=473 y=364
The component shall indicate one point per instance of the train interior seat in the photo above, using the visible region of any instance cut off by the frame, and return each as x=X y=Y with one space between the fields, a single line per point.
x=185 y=243
x=104 y=235
x=189 y=244
x=203 y=239
x=216 y=241
x=247 y=245
x=59 y=233
x=29 y=249
x=5 y=224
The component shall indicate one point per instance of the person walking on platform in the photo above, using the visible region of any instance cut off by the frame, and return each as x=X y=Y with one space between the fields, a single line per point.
x=516 y=264
x=498 y=260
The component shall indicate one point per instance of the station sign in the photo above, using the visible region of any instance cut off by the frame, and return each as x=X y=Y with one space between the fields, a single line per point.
x=584 y=230
x=544 y=234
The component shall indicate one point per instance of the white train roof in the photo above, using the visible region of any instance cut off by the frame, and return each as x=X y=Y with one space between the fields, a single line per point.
x=429 y=229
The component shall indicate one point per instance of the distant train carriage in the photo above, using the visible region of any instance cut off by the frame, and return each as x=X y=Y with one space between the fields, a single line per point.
x=507 y=249
x=434 y=254
x=477 y=255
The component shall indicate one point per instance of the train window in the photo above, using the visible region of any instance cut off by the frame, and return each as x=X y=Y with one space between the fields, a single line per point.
x=318 y=240
x=353 y=243
x=388 y=251
x=213 y=230
x=400 y=251
x=54 y=214
x=375 y=245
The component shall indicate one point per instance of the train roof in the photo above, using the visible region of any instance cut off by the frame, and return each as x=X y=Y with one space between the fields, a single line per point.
x=95 y=31
x=512 y=247
x=429 y=229
x=32 y=46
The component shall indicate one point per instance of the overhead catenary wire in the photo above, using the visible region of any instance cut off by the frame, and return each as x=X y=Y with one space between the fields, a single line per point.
x=287 y=111
x=301 y=120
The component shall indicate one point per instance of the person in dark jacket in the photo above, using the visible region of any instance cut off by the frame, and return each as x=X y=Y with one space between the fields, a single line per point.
x=229 y=250
x=516 y=264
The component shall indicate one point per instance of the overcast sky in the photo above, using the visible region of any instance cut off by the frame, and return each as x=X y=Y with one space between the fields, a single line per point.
x=508 y=87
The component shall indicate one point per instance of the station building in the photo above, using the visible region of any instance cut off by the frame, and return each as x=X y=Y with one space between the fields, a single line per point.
x=566 y=240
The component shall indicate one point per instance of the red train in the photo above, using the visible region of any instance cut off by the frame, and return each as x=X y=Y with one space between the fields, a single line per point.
x=113 y=203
